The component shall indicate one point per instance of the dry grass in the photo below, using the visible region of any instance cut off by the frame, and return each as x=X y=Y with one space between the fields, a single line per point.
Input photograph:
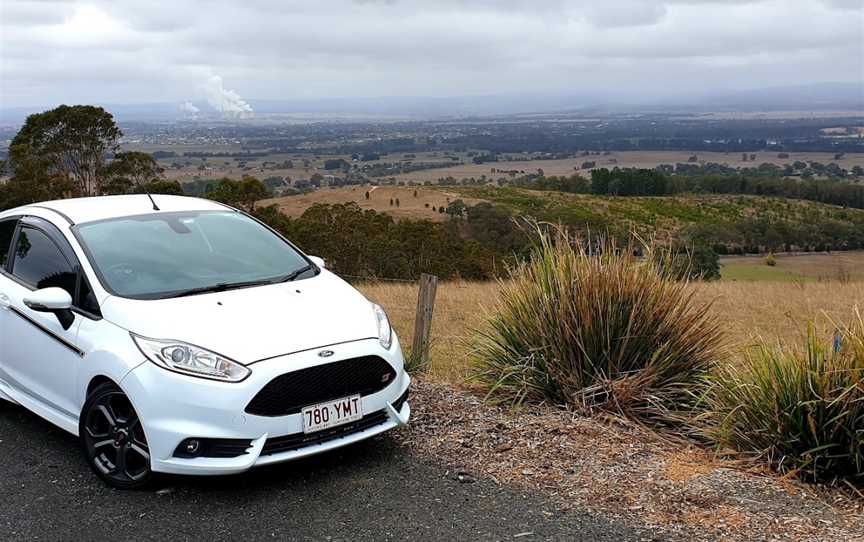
x=774 y=311
x=781 y=311
x=459 y=307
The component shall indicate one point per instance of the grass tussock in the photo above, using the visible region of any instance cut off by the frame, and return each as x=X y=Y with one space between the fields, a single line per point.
x=416 y=364
x=596 y=329
x=800 y=411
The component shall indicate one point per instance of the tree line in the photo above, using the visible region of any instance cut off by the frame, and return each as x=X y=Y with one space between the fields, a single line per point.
x=755 y=235
x=366 y=243
x=654 y=182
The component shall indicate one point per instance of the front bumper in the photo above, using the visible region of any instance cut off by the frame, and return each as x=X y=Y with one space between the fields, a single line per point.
x=174 y=407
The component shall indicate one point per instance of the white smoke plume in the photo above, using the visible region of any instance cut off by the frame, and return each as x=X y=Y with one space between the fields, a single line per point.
x=189 y=108
x=225 y=101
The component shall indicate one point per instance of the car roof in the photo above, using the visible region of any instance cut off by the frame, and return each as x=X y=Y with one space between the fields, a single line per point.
x=80 y=210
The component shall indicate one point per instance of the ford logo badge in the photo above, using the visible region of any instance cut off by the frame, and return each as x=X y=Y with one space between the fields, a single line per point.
x=325 y=353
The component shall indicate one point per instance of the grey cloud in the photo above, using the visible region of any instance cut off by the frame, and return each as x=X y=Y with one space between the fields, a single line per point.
x=626 y=14
x=33 y=13
x=156 y=50
x=846 y=4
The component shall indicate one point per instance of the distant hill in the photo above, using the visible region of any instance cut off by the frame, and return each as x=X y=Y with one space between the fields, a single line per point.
x=731 y=222
x=813 y=97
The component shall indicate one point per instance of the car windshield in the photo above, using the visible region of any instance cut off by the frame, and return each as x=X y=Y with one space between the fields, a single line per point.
x=172 y=254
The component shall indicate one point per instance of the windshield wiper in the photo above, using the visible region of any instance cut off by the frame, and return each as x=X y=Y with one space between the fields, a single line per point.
x=219 y=287
x=225 y=286
x=291 y=276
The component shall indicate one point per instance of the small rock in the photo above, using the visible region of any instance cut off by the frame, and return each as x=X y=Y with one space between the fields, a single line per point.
x=465 y=477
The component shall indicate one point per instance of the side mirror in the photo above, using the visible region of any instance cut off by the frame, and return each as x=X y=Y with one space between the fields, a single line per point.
x=54 y=300
x=318 y=261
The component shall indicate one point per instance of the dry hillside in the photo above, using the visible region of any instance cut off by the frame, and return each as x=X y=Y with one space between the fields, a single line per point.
x=410 y=206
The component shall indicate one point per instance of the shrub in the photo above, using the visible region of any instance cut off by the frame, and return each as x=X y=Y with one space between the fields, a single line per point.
x=770 y=260
x=596 y=328
x=695 y=262
x=802 y=412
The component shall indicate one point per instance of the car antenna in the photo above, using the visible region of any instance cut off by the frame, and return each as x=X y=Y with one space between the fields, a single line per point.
x=155 y=207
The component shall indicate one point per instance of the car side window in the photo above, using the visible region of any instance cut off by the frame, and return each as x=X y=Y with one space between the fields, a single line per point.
x=86 y=298
x=7 y=231
x=38 y=262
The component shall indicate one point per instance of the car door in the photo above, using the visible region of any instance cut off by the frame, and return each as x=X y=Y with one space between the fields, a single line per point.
x=7 y=232
x=40 y=356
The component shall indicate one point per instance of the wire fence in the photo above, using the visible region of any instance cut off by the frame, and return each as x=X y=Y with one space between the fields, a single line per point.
x=360 y=278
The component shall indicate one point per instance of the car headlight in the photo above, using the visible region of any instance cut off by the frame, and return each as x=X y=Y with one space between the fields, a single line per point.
x=191 y=360
x=385 y=331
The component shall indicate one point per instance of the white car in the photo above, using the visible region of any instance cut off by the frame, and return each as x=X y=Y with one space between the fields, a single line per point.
x=182 y=336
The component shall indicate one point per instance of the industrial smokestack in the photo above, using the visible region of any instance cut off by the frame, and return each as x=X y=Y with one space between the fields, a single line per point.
x=225 y=101
x=189 y=109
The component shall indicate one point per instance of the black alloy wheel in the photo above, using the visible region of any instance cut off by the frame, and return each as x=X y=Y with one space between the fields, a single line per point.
x=113 y=439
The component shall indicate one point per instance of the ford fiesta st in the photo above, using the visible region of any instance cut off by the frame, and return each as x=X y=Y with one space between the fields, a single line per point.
x=179 y=335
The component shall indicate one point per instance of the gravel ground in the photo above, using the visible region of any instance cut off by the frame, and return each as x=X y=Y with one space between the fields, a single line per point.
x=462 y=470
x=376 y=490
x=623 y=471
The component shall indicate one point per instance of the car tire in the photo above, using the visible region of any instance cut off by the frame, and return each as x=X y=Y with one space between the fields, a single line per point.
x=112 y=439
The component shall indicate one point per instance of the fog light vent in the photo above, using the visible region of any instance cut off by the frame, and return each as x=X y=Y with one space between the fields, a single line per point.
x=212 y=447
x=192 y=446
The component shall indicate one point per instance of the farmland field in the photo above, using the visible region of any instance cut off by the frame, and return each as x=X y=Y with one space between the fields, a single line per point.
x=771 y=310
x=636 y=159
x=306 y=164
x=839 y=266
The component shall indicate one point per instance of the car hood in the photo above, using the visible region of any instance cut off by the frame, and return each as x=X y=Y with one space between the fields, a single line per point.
x=251 y=324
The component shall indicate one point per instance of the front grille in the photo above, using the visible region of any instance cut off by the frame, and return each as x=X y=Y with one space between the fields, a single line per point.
x=295 y=441
x=289 y=393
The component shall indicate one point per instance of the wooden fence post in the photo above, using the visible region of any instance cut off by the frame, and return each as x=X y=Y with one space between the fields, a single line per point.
x=423 y=321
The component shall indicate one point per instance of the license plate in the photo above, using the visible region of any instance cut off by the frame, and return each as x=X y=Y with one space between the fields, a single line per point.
x=331 y=413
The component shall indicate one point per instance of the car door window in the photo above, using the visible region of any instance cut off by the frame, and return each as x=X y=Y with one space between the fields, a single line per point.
x=7 y=230
x=86 y=297
x=38 y=262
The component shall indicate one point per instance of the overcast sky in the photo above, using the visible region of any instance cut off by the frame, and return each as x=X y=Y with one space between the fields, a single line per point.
x=144 y=51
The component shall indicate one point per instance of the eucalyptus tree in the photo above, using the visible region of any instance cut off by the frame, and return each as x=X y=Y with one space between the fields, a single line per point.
x=70 y=142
